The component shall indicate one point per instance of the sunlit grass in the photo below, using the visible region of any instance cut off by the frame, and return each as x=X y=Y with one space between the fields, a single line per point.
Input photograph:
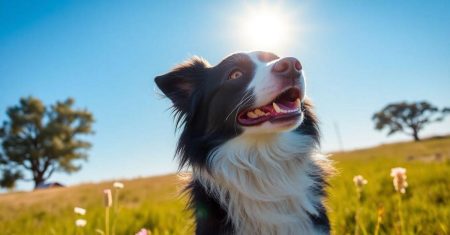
x=424 y=204
x=144 y=203
x=154 y=203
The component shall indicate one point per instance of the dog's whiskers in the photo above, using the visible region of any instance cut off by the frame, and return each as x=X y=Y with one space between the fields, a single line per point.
x=244 y=99
x=238 y=109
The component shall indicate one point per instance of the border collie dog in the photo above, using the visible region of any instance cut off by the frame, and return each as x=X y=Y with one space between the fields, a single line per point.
x=251 y=139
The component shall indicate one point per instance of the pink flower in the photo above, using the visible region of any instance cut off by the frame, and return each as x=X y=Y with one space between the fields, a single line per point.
x=107 y=197
x=399 y=175
x=143 y=232
x=359 y=181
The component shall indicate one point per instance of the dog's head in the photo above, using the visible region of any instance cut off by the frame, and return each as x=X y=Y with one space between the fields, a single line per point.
x=245 y=94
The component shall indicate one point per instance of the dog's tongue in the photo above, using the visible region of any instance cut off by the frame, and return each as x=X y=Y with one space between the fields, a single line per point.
x=286 y=105
x=268 y=112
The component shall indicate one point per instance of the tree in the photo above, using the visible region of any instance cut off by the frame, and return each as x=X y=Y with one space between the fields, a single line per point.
x=41 y=140
x=408 y=118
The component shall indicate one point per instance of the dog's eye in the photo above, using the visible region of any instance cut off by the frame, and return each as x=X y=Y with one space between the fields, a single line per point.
x=235 y=75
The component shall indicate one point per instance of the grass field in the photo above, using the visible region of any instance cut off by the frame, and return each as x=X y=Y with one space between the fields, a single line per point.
x=426 y=208
x=154 y=203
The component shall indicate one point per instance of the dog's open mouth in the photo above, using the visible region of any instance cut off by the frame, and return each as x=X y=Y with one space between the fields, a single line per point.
x=285 y=106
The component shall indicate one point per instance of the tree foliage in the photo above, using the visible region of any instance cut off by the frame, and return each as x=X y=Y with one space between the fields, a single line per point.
x=408 y=118
x=41 y=140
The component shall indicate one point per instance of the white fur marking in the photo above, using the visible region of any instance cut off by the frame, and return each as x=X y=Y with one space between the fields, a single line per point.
x=264 y=182
x=265 y=88
x=265 y=85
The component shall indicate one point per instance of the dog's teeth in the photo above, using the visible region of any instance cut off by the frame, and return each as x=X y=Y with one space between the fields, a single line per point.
x=298 y=103
x=259 y=112
x=276 y=107
x=252 y=115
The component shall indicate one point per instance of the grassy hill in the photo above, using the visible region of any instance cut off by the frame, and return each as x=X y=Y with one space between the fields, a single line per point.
x=154 y=203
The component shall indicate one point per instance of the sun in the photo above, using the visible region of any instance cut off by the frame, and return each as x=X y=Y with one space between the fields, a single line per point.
x=266 y=28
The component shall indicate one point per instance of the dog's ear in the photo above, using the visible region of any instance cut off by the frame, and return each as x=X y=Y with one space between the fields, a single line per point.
x=180 y=83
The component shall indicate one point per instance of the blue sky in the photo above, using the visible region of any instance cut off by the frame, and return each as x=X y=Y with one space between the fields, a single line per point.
x=358 y=56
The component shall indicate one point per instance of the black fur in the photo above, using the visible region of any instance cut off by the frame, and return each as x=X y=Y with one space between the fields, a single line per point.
x=201 y=111
x=210 y=217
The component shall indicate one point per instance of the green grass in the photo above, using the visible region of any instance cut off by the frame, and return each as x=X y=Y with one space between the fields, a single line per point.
x=154 y=203
x=148 y=202
x=426 y=208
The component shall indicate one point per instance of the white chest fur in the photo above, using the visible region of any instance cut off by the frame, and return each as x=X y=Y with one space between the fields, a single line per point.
x=265 y=183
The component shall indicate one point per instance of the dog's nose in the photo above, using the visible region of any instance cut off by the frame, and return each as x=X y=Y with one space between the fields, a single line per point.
x=287 y=67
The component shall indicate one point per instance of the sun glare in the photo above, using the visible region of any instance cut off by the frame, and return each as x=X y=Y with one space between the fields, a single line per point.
x=266 y=28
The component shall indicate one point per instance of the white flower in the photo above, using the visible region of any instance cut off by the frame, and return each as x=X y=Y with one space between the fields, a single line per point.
x=80 y=222
x=79 y=210
x=359 y=181
x=107 y=197
x=399 y=175
x=118 y=185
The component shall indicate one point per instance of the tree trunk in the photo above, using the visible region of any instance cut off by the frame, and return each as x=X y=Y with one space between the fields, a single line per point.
x=416 y=135
x=39 y=179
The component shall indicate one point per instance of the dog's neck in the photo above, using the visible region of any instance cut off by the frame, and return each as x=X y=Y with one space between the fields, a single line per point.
x=267 y=184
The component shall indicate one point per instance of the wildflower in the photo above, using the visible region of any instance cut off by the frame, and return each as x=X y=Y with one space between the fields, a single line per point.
x=79 y=210
x=400 y=184
x=108 y=197
x=359 y=181
x=143 y=232
x=80 y=222
x=118 y=185
x=399 y=175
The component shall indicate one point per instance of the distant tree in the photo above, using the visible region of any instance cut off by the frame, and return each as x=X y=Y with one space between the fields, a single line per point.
x=408 y=118
x=41 y=140
x=9 y=178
